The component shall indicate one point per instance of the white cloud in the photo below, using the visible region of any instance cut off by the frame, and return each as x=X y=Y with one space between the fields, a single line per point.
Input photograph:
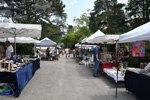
x=73 y=2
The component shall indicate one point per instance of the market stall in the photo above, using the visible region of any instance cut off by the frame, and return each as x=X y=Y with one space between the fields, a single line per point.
x=107 y=61
x=85 y=52
x=135 y=82
x=18 y=75
x=41 y=48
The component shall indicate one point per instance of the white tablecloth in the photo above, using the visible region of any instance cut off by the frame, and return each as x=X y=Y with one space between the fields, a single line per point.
x=113 y=74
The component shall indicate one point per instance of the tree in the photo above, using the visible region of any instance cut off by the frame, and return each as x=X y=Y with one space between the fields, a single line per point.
x=138 y=12
x=49 y=13
x=107 y=15
x=80 y=31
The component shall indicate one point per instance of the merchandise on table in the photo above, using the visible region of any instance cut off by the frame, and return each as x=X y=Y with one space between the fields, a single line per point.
x=9 y=66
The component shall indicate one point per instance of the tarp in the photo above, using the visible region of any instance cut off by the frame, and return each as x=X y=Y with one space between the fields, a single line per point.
x=108 y=39
x=20 y=40
x=46 y=42
x=96 y=34
x=139 y=34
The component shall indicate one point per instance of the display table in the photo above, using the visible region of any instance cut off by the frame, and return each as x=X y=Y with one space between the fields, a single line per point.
x=20 y=78
x=138 y=84
x=113 y=74
x=107 y=65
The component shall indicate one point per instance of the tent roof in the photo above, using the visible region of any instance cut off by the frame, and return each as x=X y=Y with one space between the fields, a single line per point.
x=83 y=45
x=46 y=42
x=109 y=39
x=96 y=34
x=139 y=34
x=21 y=40
x=84 y=40
x=20 y=30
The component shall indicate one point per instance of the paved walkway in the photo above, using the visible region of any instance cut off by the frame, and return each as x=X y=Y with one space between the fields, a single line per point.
x=66 y=80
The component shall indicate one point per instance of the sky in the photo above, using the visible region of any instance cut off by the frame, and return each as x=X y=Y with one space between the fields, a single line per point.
x=75 y=8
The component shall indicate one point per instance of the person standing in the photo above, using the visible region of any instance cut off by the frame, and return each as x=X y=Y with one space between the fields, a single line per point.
x=97 y=58
x=57 y=52
x=9 y=50
x=125 y=57
x=67 y=52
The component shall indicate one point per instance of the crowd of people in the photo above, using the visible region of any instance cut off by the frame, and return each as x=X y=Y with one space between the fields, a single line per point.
x=58 y=51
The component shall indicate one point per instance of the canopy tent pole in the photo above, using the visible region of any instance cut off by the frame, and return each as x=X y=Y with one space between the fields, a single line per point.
x=81 y=52
x=116 y=50
x=15 y=41
x=34 y=49
x=117 y=69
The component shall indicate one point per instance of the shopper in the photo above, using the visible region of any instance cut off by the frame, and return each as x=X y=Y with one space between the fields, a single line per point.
x=67 y=52
x=47 y=52
x=97 y=58
x=125 y=57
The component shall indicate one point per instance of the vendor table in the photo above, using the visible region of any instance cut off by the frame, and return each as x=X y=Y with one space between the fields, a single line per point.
x=138 y=84
x=107 y=65
x=113 y=74
x=21 y=77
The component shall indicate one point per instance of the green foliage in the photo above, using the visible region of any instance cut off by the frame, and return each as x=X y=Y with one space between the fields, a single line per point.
x=22 y=49
x=108 y=16
x=78 y=32
x=138 y=12
x=49 y=13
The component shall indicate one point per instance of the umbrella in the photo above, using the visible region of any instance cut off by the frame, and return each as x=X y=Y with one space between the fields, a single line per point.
x=19 y=30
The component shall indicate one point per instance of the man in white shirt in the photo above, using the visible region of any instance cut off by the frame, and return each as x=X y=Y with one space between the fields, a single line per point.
x=9 y=50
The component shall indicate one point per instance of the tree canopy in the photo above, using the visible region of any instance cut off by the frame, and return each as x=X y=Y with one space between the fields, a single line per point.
x=49 y=13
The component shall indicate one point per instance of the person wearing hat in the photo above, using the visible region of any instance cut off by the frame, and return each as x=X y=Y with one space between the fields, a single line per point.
x=125 y=57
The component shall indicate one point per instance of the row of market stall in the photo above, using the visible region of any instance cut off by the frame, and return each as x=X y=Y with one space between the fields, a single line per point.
x=14 y=75
x=136 y=79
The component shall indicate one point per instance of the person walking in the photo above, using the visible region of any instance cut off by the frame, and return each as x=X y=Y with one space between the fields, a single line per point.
x=97 y=58
x=67 y=52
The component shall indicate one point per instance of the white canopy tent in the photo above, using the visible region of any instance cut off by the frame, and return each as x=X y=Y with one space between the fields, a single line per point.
x=46 y=42
x=76 y=45
x=20 y=40
x=84 y=40
x=96 y=34
x=108 y=39
x=141 y=33
x=19 y=30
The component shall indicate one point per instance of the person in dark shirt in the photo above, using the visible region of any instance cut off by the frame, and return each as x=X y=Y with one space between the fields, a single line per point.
x=125 y=57
x=97 y=58
x=47 y=52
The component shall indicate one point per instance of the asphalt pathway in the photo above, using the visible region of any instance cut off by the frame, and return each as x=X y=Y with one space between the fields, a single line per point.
x=67 y=80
